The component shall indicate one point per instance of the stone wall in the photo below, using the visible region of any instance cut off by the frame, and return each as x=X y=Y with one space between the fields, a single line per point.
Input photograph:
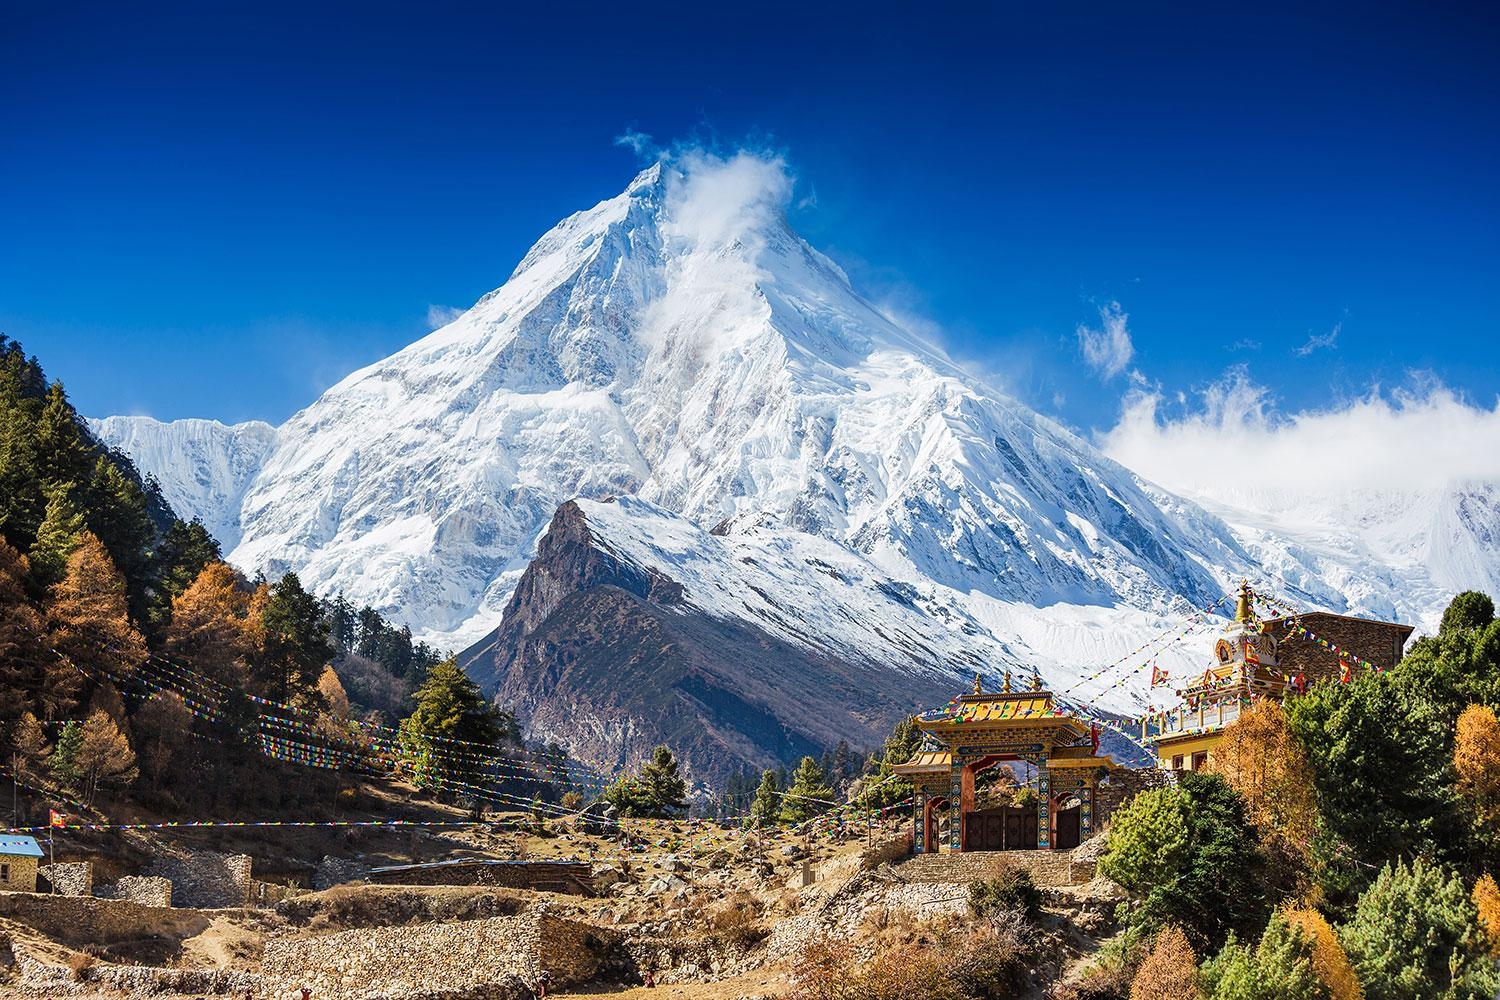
x=491 y=959
x=1047 y=868
x=1124 y=785
x=73 y=878
x=78 y=921
x=575 y=877
x=1379 y=642
x=20 y=874
x=147 y=890
x=333 y=871
x=206 y=880
x=887 y=850
x=37 y=977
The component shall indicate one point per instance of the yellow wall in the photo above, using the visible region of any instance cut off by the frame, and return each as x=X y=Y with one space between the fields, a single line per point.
x=1185 y=748
x=22 y=874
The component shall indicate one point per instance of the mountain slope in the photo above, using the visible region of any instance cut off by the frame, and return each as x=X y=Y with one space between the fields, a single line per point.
x=634 y=626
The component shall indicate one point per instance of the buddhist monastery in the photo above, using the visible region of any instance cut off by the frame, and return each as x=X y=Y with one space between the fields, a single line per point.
x=1266 y=658
x=979 y=731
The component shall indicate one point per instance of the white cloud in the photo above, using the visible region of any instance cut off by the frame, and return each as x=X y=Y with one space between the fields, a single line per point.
x=714 y=200
x=1107 y=350
x=441 y=316
x=639 y=142
x=1423 y=437
x=1320 y=341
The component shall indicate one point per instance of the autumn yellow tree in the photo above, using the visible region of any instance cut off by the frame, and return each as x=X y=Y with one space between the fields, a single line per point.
x=1476 y=759
x=1262 y=761
x=88 y=615
x=1170 y=971
x=23 y=655
x=105 y=756
x=1330 y=963
x=210 y=629
x=1487 y=898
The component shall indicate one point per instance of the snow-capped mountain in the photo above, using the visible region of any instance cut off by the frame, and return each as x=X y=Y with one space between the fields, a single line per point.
x=679 y=344
x=203 y=466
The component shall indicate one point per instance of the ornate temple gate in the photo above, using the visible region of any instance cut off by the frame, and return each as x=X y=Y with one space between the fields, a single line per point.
x=979 y=731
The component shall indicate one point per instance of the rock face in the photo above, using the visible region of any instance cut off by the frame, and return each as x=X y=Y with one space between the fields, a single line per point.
x=633 y=627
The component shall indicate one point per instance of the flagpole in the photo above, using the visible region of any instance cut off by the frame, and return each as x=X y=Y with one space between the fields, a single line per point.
x=51 y=852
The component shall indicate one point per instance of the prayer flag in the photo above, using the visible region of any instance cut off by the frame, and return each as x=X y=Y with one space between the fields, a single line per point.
x=55 y=818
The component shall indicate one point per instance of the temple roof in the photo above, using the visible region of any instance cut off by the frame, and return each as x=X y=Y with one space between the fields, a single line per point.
x=927 y=761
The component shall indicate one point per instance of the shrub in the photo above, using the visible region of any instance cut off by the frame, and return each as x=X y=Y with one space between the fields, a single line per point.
x=1011 y=888
x=1170 y=971
x=1416 y=933
x=735 y=921
x=79 y=964
x=832 y=970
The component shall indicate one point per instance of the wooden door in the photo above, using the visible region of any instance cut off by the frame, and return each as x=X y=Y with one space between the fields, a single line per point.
x=1067 y=829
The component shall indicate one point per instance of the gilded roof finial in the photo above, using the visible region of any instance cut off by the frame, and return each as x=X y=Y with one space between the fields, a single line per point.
x=978 y=688
x=1036 y=680
x=1243 y=613
x=1006 y=688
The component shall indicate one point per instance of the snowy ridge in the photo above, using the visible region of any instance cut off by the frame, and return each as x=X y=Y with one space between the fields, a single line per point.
x=203 y=466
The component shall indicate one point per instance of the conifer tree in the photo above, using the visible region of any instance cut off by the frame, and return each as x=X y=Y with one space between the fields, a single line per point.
x=809 y=794
x=1487 y=902
x=65 y=456
x=162 y=726
x=1280 y=967
x=1330 y=963
x=23 y=658
x=766 y=808
x=1170 y=970
x=1262 y=761
x=446 y=734
x=184 y=552
x=104 y=756
x=208 y=631
x=64 y=759
x=1476 y=760
x=296 y=638
x=1416 y=934
x=885 y=788
x=90 y=623
x=657 y=792
x=61 y=530
x=116 y=510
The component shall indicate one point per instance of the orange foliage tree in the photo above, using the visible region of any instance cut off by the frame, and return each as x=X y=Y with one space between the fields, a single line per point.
x=1487 y=898
x=89 y=615
x=1262 y=761
x=209 y=629
x=1476 y=759
x=1170 y=971
x=1330 y=963
x=22 y=660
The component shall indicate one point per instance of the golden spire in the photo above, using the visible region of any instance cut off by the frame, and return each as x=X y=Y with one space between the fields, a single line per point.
x=1243 y=613
x=978 y=688
x=1036 y=680
x=1006 y=688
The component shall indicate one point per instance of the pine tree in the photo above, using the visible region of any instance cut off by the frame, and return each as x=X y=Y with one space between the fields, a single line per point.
x=766 y=808
x=296 y=638
x=116 y=510
x=657 y=792
x=58 y=536
x=64 y=759
x=1415 y=934
x=183 y=554
x=1170 y=970
x=450 y=707
x=884 y=787
x=809 y=794
x=162 y=727
x=65 y=456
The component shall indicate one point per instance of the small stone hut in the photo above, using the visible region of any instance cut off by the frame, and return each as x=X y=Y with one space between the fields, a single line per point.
x=19 y=857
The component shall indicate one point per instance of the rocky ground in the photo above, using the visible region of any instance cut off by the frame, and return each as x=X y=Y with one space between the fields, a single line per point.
x=712 y=911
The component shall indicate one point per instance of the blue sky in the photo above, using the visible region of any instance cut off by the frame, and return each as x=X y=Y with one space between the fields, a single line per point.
x=219 y=212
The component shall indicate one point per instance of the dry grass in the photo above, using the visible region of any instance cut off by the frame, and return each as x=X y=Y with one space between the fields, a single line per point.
x=735 y=921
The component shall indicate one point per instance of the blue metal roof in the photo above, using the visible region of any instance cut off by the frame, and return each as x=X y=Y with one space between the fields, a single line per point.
x=25 y=847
